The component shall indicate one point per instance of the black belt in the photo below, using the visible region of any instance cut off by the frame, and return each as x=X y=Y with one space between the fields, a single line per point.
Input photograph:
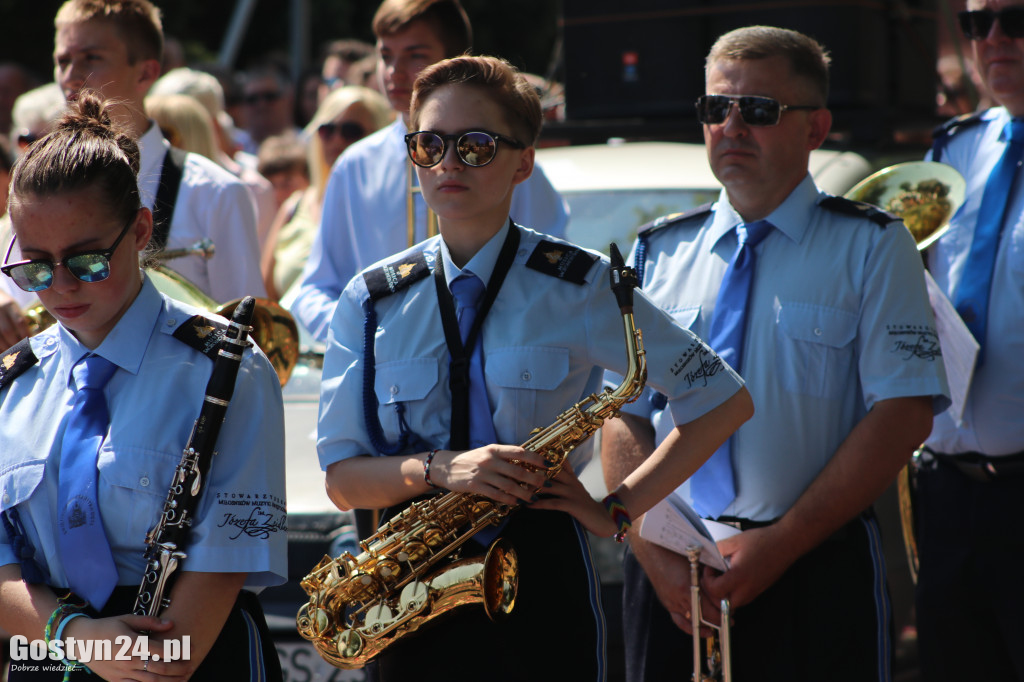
x=983 y=468
x=742 y=524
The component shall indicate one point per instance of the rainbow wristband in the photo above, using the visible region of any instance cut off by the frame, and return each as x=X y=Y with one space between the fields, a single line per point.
x=426 y=469
x=620 y=516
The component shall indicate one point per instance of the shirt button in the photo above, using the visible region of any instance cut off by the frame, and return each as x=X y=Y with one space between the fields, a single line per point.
x=171 y=322
x=526 y=376
x=817 y=331
x=522 y=252
x=394 y=389
x=7 y=497
x=144 y=481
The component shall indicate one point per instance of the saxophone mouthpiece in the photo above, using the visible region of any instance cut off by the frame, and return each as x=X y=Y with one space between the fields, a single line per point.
x=623 y=279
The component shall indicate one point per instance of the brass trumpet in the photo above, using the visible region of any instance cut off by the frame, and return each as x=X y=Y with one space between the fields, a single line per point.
x=718 y=658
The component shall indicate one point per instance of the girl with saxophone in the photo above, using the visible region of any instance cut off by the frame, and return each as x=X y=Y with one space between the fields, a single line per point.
x=94 y=415
x=442 y=357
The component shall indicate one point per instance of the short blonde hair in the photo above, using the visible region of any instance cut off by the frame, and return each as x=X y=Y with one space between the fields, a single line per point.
x=137 y=22
x=185 y=123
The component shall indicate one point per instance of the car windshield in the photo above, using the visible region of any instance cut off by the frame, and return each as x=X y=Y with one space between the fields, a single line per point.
x=602 y=217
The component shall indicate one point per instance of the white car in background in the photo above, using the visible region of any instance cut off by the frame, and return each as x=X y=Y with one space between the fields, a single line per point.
x=612 y=189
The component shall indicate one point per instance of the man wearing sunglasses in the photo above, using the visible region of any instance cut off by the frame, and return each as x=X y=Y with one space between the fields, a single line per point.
x=970 y=598
x=821 y=305
x=371 y=191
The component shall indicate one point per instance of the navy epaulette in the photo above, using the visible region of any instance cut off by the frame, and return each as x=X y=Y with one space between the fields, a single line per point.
x=563 y=261
x=674 y=218
x=395 y=276
x=14 y=361
x=859 y=209
x=957 y=123
x=203 y=334
x=941 y=134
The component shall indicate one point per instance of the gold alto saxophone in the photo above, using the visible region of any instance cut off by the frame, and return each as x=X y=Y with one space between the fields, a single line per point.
x=360 y=605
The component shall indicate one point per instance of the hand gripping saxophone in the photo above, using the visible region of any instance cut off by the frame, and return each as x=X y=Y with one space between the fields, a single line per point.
x=410 y=572
x=164 y=543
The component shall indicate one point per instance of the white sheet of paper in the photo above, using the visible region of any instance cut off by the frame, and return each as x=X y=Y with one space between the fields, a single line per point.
x=959 y=348
x=673 y=524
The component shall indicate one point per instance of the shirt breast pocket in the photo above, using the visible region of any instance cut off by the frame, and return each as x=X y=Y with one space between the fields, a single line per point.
x=19 y=481
x=535 y=371
x=685 y=316
x=402 y=381
x=814 y=348
x=132 y=490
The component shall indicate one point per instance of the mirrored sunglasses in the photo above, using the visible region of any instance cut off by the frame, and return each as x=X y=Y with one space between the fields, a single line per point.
x=475 y=148
x=87 y=266
x=350 y=130
x=977 y=24
x=755 y=111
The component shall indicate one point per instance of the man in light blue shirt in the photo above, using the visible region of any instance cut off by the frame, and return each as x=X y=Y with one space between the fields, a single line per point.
x=365 y=210
x=840 y=356
x=970 y=599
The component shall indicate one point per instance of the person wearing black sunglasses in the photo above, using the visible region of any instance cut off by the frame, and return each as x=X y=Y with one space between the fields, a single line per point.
x=820 y=304
x=373 y=208
x=970 y=600
x=70 y=466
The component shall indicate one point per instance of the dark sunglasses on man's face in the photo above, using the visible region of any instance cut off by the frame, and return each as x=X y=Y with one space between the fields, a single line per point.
x=475 y=148
x=350 y=130
x=87 y=266
x=755 y=111
x=976 y=24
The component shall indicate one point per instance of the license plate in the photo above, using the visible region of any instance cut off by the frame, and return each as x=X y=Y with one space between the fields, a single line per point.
x=300 y=662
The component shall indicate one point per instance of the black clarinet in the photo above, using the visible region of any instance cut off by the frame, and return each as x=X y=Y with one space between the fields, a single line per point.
x=165 y=541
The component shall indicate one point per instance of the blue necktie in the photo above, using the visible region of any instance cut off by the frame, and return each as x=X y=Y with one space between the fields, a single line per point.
x=713 y=486
x=976 y=282
x=84 y=549
x=467 y=290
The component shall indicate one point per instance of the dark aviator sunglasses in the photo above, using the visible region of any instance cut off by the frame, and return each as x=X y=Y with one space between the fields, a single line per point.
x=977 y=24
x=87 y=266
x=475 y=148
x=755 y=111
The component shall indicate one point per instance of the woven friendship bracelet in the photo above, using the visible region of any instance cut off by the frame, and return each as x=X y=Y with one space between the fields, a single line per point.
x=620 y=516
x=426 y=468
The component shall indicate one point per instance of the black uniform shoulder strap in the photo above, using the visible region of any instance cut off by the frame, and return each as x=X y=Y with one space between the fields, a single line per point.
x=167 y=196
x=645 y=231
x=392 y=277
x=673 y=219
x=14 y=361
x=560 y=260
x=203 y=334
x=859 y=209
x=942 y=134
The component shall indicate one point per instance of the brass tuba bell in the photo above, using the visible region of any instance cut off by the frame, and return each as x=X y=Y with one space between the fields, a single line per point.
x=925 y=194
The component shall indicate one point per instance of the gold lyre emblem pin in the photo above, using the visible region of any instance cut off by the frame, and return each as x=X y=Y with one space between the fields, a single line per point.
x=9 y=359
x=553 y=256
x=404 y=269
x=203 y=331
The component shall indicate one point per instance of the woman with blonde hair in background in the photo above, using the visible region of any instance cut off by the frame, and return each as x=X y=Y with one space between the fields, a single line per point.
x=346 y=115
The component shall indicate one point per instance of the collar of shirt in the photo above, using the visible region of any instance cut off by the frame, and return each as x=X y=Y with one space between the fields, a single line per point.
x=482 y=263
x=792 y=217
x=152 y=149
x=125 y=345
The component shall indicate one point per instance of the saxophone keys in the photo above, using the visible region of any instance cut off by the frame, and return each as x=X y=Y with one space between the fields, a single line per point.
x=414 y=597
x=377 y=619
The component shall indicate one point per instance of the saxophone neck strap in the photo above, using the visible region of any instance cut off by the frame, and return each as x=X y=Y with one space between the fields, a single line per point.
x=461 y=352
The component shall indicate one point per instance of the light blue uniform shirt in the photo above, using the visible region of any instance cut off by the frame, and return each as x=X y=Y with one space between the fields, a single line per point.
x=364 y=220
x=154 y=398
x=545 y=342
x=838 y=320
x=993 y=418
